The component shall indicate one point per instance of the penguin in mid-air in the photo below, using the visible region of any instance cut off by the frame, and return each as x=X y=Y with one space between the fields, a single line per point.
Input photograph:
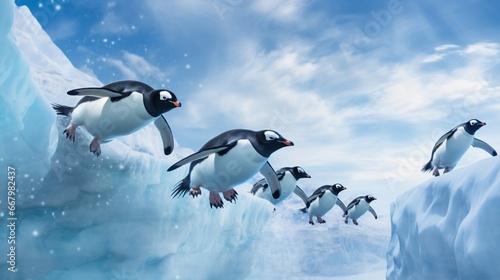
x=358 y=208
x=288 y=177
x=118 y=109
x=228 y=160
x=450 y=148
x=322 y=200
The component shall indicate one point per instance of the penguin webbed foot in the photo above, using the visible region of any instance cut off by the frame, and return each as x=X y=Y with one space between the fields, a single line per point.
x=230 y=195
x=194 y=192
x=321 y=221
x=435 y=171
x=355 y=222
x=215 y=200
x=311 y=222
x=70 y=132
x=95 y=147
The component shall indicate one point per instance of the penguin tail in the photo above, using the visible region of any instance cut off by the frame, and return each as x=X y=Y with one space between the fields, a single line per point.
x=62 y=110
x=427 y=167
x=303 y=210
x=182 y=187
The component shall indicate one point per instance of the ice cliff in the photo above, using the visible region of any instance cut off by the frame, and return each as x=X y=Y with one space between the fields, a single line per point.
x=82 y=217
x=448 y=227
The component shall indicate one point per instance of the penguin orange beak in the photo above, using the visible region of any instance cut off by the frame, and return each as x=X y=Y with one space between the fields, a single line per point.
x=482 y=123
x=287 y=143
x=344 y=188
x=176 y=103
x=307 y=176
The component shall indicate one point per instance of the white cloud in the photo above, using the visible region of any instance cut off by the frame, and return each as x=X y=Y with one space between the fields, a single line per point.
x=126 y=71
x=281 y=10
x=135 y=67
x=445 y=47
x=483 y=49
x=433 y=58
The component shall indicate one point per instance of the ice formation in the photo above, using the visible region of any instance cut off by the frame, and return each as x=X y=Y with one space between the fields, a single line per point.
x=448 y=227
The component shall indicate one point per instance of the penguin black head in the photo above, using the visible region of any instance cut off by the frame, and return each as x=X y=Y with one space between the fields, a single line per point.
x=298 y=172
x=337 y=188
x=163 y=101
x=473 y=125
x=370 y=198
x=270 y=141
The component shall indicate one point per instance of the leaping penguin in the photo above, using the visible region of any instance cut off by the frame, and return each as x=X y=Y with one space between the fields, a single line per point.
x=288 y=177
x=119 y=109
x=450 y=148
x=228 y=160
x=358 y=208
x=322 y=200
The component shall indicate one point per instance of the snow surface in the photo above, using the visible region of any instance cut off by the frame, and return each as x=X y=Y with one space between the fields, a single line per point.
x=112 y=217
x=448 y=227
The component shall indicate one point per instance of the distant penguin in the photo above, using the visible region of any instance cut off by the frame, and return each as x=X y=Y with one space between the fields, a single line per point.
x=322 y=200
x=358 y=208
x=119 y=109
x=288 y=177
x=229 y=159
x=450 y=148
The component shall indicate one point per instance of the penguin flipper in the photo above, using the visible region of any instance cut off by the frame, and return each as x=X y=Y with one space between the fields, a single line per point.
x=441 y=140
x=341 y=205
x=354 y=202
x=166 y=134
x=260 y=184
x=476 y=143
x=272 y=180
x=372 y=211
x=198 y=155
x=300 y=193
x=98 y=92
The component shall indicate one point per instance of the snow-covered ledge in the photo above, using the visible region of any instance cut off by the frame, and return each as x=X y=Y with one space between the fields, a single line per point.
x=448 y=227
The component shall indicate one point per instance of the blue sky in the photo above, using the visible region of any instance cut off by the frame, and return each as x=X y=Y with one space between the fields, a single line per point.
x=363 y=89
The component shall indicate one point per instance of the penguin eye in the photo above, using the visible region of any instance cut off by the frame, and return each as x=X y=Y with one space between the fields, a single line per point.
x=473 y=122
x=271 y=135
x=164 y=95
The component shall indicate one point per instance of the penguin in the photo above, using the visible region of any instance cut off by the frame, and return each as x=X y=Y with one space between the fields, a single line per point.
x=322 y=200
x=358 y=208
x=450 y=148
x=228 y=160
x=287 y=177
x=119 y=109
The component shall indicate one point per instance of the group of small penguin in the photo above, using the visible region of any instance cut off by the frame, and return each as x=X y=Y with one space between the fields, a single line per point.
x=320 y=202
x=232 y=157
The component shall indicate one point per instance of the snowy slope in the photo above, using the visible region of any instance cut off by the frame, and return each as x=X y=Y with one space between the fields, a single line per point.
x=448 y=227
x=82 y=217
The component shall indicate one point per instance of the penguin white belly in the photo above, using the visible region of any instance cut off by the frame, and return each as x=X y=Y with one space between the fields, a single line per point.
x=358 y=210
x=452 y=150
x=221 y=173
x=321 y=205
x=107 y=120
x=288 y=184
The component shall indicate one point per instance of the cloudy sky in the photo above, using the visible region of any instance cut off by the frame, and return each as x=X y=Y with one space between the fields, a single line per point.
x=364 y=89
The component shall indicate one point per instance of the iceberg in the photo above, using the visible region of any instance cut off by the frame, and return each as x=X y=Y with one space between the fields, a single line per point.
x=82 y=217
x=448 y=227
x=113 y=217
